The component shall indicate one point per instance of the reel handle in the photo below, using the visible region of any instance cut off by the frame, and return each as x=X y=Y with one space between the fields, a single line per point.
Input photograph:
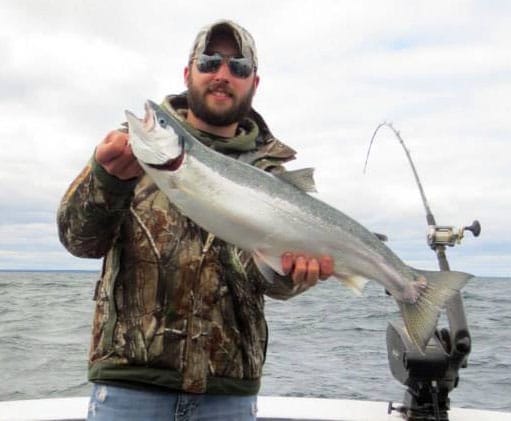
x=475 y=228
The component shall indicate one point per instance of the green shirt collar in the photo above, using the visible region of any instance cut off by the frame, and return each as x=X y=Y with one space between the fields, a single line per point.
x=243 y=141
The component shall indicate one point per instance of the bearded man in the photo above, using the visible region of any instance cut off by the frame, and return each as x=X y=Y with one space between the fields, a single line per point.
x=179 y=331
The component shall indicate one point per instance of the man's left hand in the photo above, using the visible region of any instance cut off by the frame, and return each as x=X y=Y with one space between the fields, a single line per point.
x=305 y=271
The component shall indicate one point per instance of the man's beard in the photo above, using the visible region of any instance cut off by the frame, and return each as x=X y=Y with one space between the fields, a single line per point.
x=197 y=104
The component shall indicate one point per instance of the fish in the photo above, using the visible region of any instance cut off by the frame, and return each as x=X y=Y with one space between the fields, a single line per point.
x=268 y=215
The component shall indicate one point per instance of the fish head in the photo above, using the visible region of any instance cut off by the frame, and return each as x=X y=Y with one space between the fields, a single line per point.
x=153 y=139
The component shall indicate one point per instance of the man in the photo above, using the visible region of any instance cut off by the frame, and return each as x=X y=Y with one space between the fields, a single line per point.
x=179 y=330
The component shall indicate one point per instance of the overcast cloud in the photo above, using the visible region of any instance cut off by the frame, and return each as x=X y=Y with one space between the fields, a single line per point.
x=331 y=71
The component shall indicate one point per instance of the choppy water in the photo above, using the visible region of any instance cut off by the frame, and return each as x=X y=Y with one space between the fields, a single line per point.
x=325 y=343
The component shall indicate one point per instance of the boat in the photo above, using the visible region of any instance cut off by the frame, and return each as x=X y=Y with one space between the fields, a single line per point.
x=270 y=408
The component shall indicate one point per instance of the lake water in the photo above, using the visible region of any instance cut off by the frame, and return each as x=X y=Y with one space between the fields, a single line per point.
x=325 y=343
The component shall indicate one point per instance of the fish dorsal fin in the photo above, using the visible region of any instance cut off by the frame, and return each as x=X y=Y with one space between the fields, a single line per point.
x=381 y=237
x=302 y=179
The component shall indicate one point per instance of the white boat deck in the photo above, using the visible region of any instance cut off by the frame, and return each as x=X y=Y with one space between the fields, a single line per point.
x=270 y=408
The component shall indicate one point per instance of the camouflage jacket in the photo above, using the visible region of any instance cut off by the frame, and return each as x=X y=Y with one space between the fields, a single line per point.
x=175 y=307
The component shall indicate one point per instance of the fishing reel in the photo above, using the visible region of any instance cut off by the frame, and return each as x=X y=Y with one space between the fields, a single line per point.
x=449 y=236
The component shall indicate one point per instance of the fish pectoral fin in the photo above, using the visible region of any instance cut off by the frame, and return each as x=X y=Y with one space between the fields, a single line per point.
x=267 y=263
x=354 y=282
x=302 y=179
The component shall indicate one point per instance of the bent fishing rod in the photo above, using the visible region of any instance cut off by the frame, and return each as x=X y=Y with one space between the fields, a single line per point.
x=430 y=377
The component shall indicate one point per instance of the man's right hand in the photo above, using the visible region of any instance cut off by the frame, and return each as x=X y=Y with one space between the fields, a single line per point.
x=114 y=154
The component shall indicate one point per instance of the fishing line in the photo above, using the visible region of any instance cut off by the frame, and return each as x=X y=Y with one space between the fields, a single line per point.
x=429 y=215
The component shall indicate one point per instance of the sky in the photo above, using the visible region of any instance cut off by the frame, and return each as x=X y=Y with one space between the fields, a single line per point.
x=331 y=72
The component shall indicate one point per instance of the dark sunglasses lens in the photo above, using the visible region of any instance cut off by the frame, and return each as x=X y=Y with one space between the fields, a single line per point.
x=240 y=67
x=208 y=64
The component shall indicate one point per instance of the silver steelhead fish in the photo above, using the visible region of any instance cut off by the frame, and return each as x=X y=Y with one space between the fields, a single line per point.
x=268 y=215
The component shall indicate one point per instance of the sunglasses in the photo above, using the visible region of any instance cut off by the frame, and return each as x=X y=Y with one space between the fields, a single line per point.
x=239 y=66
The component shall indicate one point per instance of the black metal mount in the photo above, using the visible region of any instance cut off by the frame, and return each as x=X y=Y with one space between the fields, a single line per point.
x=432 y=375
x=429 y=377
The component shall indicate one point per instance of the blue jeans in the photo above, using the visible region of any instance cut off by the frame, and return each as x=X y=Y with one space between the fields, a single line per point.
x=112 y=403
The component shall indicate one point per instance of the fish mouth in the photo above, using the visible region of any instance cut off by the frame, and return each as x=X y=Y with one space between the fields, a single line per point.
x=149 y=120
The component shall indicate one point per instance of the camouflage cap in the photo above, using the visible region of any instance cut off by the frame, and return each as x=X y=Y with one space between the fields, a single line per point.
x=242 y=37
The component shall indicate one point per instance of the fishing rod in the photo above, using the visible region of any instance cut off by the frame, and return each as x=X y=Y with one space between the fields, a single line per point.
x=431 y=375
x=438 y=236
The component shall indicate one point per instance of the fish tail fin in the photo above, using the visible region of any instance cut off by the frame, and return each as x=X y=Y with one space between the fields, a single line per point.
x=421 y=317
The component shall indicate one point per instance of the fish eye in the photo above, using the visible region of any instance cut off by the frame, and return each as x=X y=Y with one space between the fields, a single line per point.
x=162 y=119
